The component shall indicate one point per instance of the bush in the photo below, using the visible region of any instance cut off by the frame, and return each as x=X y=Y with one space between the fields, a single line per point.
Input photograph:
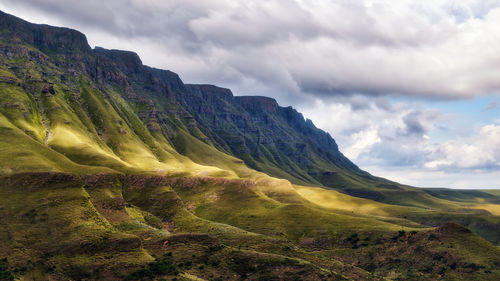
x=162 y=266
x=153 y=221
x=5 y=273
x=216 y=248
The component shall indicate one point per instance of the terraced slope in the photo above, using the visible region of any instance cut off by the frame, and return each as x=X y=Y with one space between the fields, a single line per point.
x=113 y=170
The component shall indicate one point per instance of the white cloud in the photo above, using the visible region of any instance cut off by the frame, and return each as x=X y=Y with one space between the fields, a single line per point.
x=394 y=141
x=363 y=141
x=479 y=152
x=374 y=131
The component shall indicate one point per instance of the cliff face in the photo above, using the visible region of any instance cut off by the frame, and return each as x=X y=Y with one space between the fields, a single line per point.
x=270 y=138
x=267 y=137
x=44 y=37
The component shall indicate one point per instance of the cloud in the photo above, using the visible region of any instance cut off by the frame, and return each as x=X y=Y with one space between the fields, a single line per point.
x=490 y=106
x=413 y=124
x=479 y=152
x=475 y=179
x=393 y=139
x=363 y=141
x=379 y=133
x=291 y=48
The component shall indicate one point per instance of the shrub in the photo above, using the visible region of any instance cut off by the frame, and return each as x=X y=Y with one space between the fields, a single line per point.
x=162 y=266
x=5 y=273
x=216 y=248
x=153 y=221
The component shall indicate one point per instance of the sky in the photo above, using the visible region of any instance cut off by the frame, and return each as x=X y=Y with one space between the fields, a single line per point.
x=409 y=89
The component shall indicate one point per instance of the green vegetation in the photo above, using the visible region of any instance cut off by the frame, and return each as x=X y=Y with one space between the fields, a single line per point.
x=110 y=170
x=5 y=273
x=160 y=267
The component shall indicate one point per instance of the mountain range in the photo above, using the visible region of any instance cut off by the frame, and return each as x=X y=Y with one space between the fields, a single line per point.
x=114 y=170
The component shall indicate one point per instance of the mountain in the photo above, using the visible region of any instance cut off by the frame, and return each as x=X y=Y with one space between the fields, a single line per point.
x=110 y=169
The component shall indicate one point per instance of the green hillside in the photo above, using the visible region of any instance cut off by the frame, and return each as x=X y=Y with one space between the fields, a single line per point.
x=112 y=170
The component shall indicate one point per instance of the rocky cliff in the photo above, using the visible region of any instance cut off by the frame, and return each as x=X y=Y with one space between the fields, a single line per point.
x=269 y=138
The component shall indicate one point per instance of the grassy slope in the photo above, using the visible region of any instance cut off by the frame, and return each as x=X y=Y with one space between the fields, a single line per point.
x=51 y=226
x=405 y=206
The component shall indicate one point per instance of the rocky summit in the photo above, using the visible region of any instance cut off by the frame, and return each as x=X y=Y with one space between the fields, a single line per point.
x=113 y=170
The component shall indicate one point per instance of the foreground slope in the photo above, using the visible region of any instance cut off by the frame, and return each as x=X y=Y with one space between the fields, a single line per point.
x=114 y=170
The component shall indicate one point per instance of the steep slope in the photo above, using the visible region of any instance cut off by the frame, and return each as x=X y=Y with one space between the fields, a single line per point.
x=110 y=169
x=266 y=136
x=152 y=114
